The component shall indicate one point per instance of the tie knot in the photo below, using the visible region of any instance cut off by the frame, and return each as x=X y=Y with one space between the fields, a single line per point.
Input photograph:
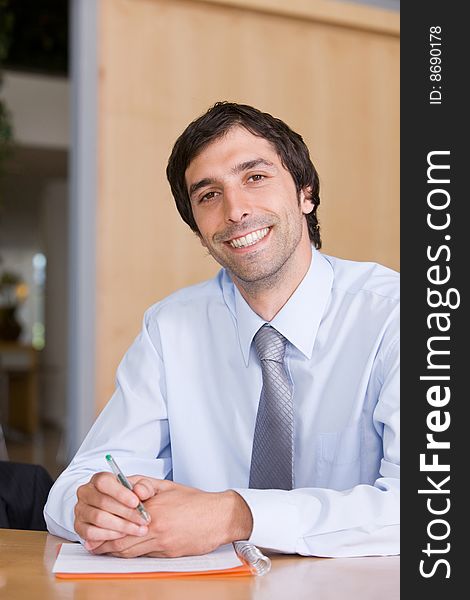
x=270 y=344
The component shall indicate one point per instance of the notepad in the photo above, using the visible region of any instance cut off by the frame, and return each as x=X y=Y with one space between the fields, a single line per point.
x=74 y=562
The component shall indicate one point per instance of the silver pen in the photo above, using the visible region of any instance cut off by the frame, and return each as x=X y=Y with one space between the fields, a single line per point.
x=126 y=483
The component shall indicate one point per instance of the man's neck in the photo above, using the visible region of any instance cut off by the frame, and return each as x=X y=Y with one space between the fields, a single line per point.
x=268 y=296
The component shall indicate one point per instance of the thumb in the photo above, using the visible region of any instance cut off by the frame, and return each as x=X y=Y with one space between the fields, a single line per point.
x=147 y=487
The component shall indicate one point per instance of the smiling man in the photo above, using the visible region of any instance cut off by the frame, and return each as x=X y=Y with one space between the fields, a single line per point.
x=262 y=404
x=250 y=217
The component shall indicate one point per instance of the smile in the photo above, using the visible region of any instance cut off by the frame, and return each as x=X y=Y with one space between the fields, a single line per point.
x=250 y=239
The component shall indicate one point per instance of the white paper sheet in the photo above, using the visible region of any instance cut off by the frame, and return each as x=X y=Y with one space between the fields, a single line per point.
x=73 y=558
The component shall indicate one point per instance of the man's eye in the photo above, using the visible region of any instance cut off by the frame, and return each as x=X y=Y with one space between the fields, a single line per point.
x=208 y=196
x=256 y=177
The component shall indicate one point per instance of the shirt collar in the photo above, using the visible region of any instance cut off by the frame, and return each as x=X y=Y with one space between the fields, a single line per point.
x=299 y=318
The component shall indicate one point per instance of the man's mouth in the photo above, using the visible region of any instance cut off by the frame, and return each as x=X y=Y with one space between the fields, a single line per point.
x=249 y=239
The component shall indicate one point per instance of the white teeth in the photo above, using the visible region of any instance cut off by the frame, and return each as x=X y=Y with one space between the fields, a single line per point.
x=249 y=239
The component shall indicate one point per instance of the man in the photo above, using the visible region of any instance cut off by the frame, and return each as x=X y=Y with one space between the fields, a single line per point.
x=262 y=404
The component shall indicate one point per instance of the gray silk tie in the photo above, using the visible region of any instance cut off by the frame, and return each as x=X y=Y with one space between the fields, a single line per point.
x=272 y=459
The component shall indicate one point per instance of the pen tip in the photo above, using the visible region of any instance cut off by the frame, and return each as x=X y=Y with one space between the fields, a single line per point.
x=108 y=456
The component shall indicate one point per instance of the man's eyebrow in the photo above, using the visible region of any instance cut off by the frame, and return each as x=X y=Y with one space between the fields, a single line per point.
x=251 y=164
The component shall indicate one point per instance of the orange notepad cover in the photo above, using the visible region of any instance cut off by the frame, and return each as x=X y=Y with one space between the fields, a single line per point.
x=241 y=571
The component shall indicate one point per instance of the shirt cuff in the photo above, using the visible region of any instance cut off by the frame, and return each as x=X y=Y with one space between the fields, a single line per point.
x=276 y=522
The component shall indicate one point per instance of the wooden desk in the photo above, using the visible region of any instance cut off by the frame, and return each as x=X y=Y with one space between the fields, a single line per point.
x=27 y=557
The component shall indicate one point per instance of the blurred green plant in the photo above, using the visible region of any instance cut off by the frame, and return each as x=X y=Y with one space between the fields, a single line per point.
x=9 y=283
x=6 y=132
x=13 y=291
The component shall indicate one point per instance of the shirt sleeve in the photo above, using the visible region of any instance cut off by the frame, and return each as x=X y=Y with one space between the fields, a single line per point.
x=361 y=521
x=133 y=427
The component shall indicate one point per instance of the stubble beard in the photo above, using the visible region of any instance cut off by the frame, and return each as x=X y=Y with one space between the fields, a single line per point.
x=260 y=270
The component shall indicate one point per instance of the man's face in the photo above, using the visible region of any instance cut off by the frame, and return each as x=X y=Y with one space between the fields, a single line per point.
x=246 y=206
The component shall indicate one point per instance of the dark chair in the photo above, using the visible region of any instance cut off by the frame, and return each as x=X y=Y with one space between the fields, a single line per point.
x=23 y=493
x=3 y=411
x=3 y=445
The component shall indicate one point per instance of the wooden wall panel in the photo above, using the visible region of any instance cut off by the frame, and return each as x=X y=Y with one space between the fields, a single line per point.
x=164 y=62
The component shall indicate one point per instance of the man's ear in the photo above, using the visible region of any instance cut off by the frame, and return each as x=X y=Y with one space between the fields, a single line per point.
x=305 y=200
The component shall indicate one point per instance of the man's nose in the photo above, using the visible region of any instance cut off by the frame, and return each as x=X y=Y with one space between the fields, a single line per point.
x=236 y=205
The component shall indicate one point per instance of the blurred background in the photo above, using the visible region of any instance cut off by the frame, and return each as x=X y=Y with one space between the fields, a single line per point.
x=93 y=94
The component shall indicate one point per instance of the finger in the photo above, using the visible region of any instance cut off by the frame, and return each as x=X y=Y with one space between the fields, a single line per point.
x=106 y=520
x=90 y=545
x=150 y=548
x=93 y=535
x=118 y=545
x=147 y=487
x=125 y=546
x=113 y=507
x=90 y=498
x=109 y=531
x=107 y=484
x=93 y=524
x=144 y=489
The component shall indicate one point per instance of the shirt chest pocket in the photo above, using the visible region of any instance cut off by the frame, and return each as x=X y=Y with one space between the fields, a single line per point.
x=338 y=458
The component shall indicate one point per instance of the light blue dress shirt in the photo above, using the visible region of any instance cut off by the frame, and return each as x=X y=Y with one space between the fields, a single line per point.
x=187 y=396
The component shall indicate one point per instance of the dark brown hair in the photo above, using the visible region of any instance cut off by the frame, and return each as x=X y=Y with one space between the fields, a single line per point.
x=215 y=123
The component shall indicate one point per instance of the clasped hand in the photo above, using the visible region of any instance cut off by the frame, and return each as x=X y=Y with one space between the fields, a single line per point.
x=184 y=521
